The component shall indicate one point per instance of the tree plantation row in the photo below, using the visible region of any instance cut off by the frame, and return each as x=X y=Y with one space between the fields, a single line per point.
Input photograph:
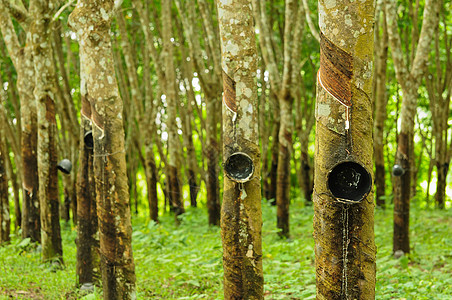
x=147 y=107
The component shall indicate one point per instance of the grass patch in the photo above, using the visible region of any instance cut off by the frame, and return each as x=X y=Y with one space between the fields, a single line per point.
x=185 y=262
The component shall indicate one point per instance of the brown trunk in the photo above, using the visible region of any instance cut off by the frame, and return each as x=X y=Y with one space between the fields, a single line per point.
x=5 y=221
x=44 y=92
x=174 y=189
x=212 y=153
x=212 y=184
x=381 y=100
x=306 y=173
x=274 y=163
x=31 y=224
x=88 y=262
x=442 y=169
x=194 y=188
x=283 y=171
x=151 y=182
x=402 y=190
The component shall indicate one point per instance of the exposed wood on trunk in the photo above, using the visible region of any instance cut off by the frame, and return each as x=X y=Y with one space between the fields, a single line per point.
x=88 y=261
x=91 y=20
x=344 y=225
x=241 y=216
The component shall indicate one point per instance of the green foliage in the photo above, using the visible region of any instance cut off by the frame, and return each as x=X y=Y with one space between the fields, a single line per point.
x=185 y=262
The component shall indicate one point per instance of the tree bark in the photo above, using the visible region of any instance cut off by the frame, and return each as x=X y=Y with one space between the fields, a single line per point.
x=88 y=261
x=44 y=93
x=212 y=153
x=283 y=169
x=241 y=216
x=23 y=62
x=381 y=99
x=5 y=220
x=91 y=20
x=344 y=223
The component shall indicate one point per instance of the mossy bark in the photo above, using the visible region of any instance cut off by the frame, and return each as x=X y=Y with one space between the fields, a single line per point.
x=241 y=216
x=343 y=230
x=44 y=92
x=91 y=20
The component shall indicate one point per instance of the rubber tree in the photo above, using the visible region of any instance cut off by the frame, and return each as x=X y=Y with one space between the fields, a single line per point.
x=44 y=91
x=88 y=261
x=241 y=215
x=91 y=20
x=409 y=74
x=343 y=198
x=22 y=58
x=5 y=220
x=381 y=100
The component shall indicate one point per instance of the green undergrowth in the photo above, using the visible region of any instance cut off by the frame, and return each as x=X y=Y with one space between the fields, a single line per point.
x=185 y=262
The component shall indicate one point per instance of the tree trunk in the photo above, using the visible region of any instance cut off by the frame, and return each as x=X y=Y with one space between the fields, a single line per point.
x=88 y=261
x=274 y=162
x=241 y=216
x=306 y=173
x=343 y=199
x=23 y=62
x=283 y=170
x=212 y=153
x=151 y=183
x=92 y=20
x=440 y=195
x=5 y=221
x=44 y=93
x=381 y=100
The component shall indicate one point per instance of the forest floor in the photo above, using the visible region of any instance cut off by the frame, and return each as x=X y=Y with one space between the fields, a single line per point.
x=185 y=262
